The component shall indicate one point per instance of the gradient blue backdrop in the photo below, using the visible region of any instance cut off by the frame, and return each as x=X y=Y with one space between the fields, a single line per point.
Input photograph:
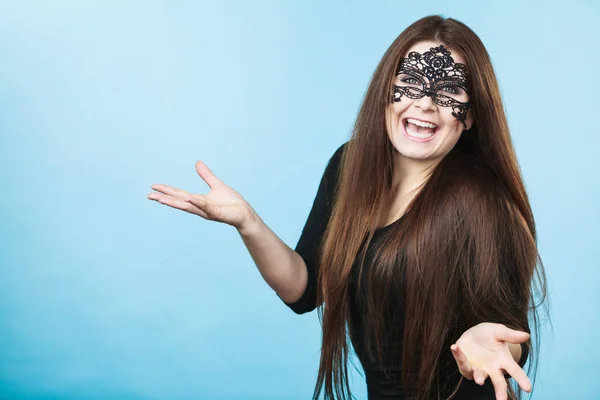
x=105 y=294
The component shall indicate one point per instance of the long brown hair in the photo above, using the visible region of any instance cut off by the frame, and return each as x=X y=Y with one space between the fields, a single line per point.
x=465 y=252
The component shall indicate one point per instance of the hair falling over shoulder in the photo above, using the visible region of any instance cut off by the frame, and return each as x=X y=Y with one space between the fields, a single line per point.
x=468 y=239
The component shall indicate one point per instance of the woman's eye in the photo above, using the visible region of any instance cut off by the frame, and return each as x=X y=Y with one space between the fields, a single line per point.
x=410 y=80
x=450 y=89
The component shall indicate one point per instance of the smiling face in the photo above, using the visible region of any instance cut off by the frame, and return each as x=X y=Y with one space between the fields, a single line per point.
x=430 y=103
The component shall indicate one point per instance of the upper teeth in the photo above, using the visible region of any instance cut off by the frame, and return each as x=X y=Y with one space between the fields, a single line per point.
x=420 y=123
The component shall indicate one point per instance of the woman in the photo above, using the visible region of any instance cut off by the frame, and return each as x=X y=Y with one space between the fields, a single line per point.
x=421 y=242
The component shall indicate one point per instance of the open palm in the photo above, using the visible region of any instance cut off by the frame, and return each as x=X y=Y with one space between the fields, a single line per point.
x=483 y=351
x=221 y=203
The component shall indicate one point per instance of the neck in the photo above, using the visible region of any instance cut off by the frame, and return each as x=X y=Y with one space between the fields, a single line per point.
x=410 y=174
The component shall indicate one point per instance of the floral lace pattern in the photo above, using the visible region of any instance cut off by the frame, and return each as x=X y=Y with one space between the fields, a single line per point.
x=434 y=74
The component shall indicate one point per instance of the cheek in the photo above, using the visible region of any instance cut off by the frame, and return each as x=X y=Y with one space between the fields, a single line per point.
x=396 y=110
x=399 y=107
x=393 y=113
x=454 y=127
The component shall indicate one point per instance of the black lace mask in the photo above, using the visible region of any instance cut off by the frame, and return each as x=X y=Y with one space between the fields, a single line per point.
x=434 y=74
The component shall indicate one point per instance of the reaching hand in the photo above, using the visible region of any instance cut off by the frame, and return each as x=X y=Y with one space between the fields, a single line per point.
x=483 y=351
x=221 y=203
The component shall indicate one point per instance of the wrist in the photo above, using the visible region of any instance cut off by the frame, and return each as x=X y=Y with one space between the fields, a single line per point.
x=251 y=226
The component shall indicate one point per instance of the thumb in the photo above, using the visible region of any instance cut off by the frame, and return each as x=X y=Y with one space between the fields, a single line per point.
x=513 y=336
x=207 y=175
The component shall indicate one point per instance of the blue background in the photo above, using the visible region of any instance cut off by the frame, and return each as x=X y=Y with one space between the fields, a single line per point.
x=105 y=294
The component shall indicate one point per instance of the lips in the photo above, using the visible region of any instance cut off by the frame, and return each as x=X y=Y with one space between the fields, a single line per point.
x=420 y=125
x=412 y=134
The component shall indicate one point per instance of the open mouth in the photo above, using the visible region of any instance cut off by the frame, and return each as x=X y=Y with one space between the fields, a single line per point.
x=419 y=131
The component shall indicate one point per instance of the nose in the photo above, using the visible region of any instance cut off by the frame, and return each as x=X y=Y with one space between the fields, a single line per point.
x=425 y=103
